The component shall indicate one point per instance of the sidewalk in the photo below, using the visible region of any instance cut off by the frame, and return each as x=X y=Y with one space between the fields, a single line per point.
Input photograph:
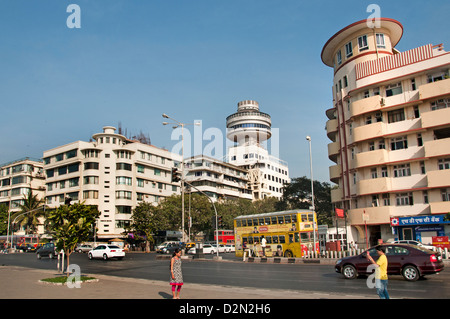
x=23 y=283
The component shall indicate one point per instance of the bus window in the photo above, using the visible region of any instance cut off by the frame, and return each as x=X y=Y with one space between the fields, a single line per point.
x=280 y=219
x=275 y=239
x=244 y=222
x=304 y=236
x=294 y=218
x=267 y=220
x=274 y=220
x=261 y=222
x=287 y=219
x=249 y=222
x=250 y=240
x=256 y=239
x=255 y=221
x=310 y=217
x=291 y=238
x=238 y=223
x=282 y=239
x=269 y=239
x=297 y=237
x=244 y=240
x=304 y=218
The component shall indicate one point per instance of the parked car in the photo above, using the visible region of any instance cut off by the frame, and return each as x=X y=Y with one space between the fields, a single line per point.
x=221 y=247
x=412 y=262
x=47 y=250
x=170 y=248
x=207 y=249
x=83 y=248
x=414 y=242
x=106 y=252
x=230 y=248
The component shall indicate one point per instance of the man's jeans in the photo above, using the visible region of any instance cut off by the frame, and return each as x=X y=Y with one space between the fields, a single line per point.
x=381 y=286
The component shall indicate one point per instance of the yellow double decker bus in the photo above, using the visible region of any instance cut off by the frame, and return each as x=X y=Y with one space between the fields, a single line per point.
x=288 y=233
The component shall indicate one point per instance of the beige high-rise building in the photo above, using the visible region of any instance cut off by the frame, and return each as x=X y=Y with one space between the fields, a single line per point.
x=389 y=126
x=112 y=172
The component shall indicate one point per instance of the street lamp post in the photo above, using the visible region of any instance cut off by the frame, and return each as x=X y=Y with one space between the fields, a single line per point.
x=308 y=138
x=182 y=125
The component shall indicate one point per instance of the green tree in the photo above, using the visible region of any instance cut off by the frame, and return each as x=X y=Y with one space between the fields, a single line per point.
x=29 y=213
x=3 y=219
x=297 y=195
x=72 y=224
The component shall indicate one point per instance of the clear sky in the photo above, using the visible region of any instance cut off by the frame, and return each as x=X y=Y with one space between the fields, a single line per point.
x=133 y=60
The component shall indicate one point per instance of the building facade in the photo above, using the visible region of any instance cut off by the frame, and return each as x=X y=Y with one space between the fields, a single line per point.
x=217 y=179
x=389 y=127
x=248 y=129
x=17 y=179
x=111 y=172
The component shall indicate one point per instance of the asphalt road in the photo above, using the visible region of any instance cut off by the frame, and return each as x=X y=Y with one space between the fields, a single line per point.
x=233 y=272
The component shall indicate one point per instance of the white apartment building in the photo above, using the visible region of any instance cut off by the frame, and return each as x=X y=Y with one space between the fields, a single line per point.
x=19 y=177
x=249 y=128
x=111 y=172
x=217 y=179
x=389 y=127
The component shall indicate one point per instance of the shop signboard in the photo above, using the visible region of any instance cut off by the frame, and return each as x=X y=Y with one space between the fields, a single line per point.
x=441 y=242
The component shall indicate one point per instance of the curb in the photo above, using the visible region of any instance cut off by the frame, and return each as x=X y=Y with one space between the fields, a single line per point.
x=284 y=260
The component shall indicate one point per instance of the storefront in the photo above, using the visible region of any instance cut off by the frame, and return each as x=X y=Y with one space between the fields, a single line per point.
x=421 y=228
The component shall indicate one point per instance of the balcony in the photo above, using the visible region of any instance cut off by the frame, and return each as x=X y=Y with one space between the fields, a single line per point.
x=374 y=185
x=369 y=131
x=435 y=118
x=372 y=158
x=333 y=151
x=440 y=207
x=335 y=173
x=367 y=105
x=437 y=147
x=332 y=127
x=434 y=89
x=376 y=215
x=438 y=178
x=336 y=195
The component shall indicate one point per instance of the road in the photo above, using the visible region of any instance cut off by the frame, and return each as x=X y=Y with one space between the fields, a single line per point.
x=233 y=272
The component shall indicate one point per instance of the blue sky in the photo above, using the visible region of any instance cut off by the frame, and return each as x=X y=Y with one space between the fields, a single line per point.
x=133 y=60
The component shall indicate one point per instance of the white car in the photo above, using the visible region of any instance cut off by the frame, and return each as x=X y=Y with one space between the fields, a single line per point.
x=230 y=248
x=221 y=247
x=165 y=244
x=207 y=249
x=414 y=242
x=106 y=252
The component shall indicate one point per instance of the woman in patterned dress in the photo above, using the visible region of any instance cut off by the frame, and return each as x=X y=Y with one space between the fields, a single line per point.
x=176 y=275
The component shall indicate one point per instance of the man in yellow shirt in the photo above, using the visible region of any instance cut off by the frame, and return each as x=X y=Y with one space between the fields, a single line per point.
x=381 y=277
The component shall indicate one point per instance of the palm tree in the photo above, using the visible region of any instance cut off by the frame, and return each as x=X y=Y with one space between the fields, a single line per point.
x=31 y=204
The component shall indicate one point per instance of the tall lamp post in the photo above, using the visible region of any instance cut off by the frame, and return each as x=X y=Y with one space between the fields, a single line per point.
x=182 y=125
x=308 y=138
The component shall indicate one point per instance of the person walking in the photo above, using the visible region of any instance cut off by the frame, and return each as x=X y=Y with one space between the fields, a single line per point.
x=176 y=275
x=381 y=277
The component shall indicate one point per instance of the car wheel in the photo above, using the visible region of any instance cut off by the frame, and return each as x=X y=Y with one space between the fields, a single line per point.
x=50 y=255
x=38 y=256
x=349 y=272
x=90 y=256
x=105 y=257
x=410 y=273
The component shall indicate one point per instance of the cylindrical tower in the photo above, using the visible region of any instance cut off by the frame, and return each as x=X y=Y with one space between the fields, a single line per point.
x=248 y=125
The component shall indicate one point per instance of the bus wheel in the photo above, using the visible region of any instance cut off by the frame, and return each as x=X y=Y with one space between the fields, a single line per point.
x=288 y=254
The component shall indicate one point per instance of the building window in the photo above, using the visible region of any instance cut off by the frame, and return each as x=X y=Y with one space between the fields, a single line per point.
x=90 y=180
x=384 y=171
x=445 y=193
x=339 y=57
x=396 y=116
x=419 y=140
x=394 y=89
x=348 y=50
x=422 y=167
x=345 y=81
x=404 y=199
x=444 y=163
x=362 y=43
x=380 y=40
x=386 y=200
x=373 y=173
x=402 y=170
x=122 y=180
x=440 y=104
x=123 y=195
x=425 y=197
x=399 y=143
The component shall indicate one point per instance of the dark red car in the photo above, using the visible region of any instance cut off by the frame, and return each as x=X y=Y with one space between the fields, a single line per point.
x=412 y=262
